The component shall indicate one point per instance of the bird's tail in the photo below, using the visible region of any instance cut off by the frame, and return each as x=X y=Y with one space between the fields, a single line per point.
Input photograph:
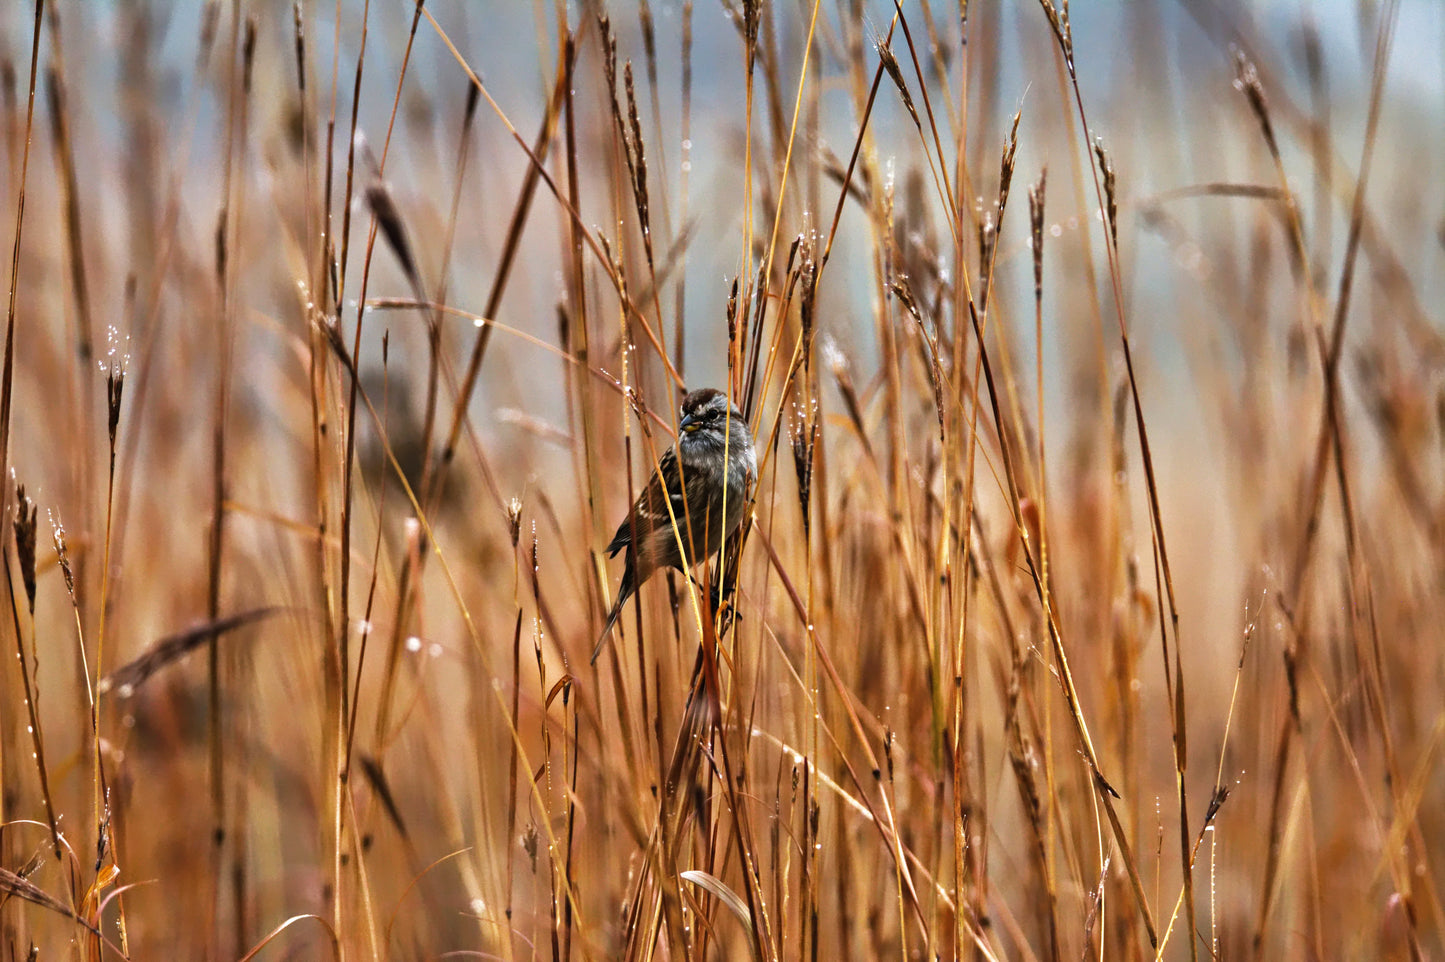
x=624 y=591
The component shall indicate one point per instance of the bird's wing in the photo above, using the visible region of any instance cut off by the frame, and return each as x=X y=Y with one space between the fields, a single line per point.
x=650 y=511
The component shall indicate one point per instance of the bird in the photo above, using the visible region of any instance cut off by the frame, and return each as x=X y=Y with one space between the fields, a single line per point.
x=705 y=479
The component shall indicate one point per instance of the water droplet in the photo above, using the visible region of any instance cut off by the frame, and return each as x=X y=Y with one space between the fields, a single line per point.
x=413 y=644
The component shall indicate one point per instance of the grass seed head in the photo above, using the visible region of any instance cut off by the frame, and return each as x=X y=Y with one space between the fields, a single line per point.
x=24 y=524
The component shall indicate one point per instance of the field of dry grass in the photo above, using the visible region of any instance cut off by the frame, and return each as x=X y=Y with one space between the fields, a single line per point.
x=1096 y=364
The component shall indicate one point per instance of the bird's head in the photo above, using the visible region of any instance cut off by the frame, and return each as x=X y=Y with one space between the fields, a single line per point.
x=706 y=418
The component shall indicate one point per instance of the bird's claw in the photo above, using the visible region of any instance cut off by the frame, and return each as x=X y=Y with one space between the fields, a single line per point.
x=723 y=605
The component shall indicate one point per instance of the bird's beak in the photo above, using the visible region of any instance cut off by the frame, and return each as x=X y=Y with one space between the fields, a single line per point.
x=689 y=423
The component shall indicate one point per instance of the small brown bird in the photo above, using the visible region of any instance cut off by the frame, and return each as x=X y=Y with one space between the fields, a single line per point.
x=705 y=479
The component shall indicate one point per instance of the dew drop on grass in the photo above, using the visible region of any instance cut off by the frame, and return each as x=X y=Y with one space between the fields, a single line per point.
x=413 y=644
x=125 y=691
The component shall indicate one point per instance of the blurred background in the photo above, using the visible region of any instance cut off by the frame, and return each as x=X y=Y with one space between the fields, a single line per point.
x=1003 y=678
